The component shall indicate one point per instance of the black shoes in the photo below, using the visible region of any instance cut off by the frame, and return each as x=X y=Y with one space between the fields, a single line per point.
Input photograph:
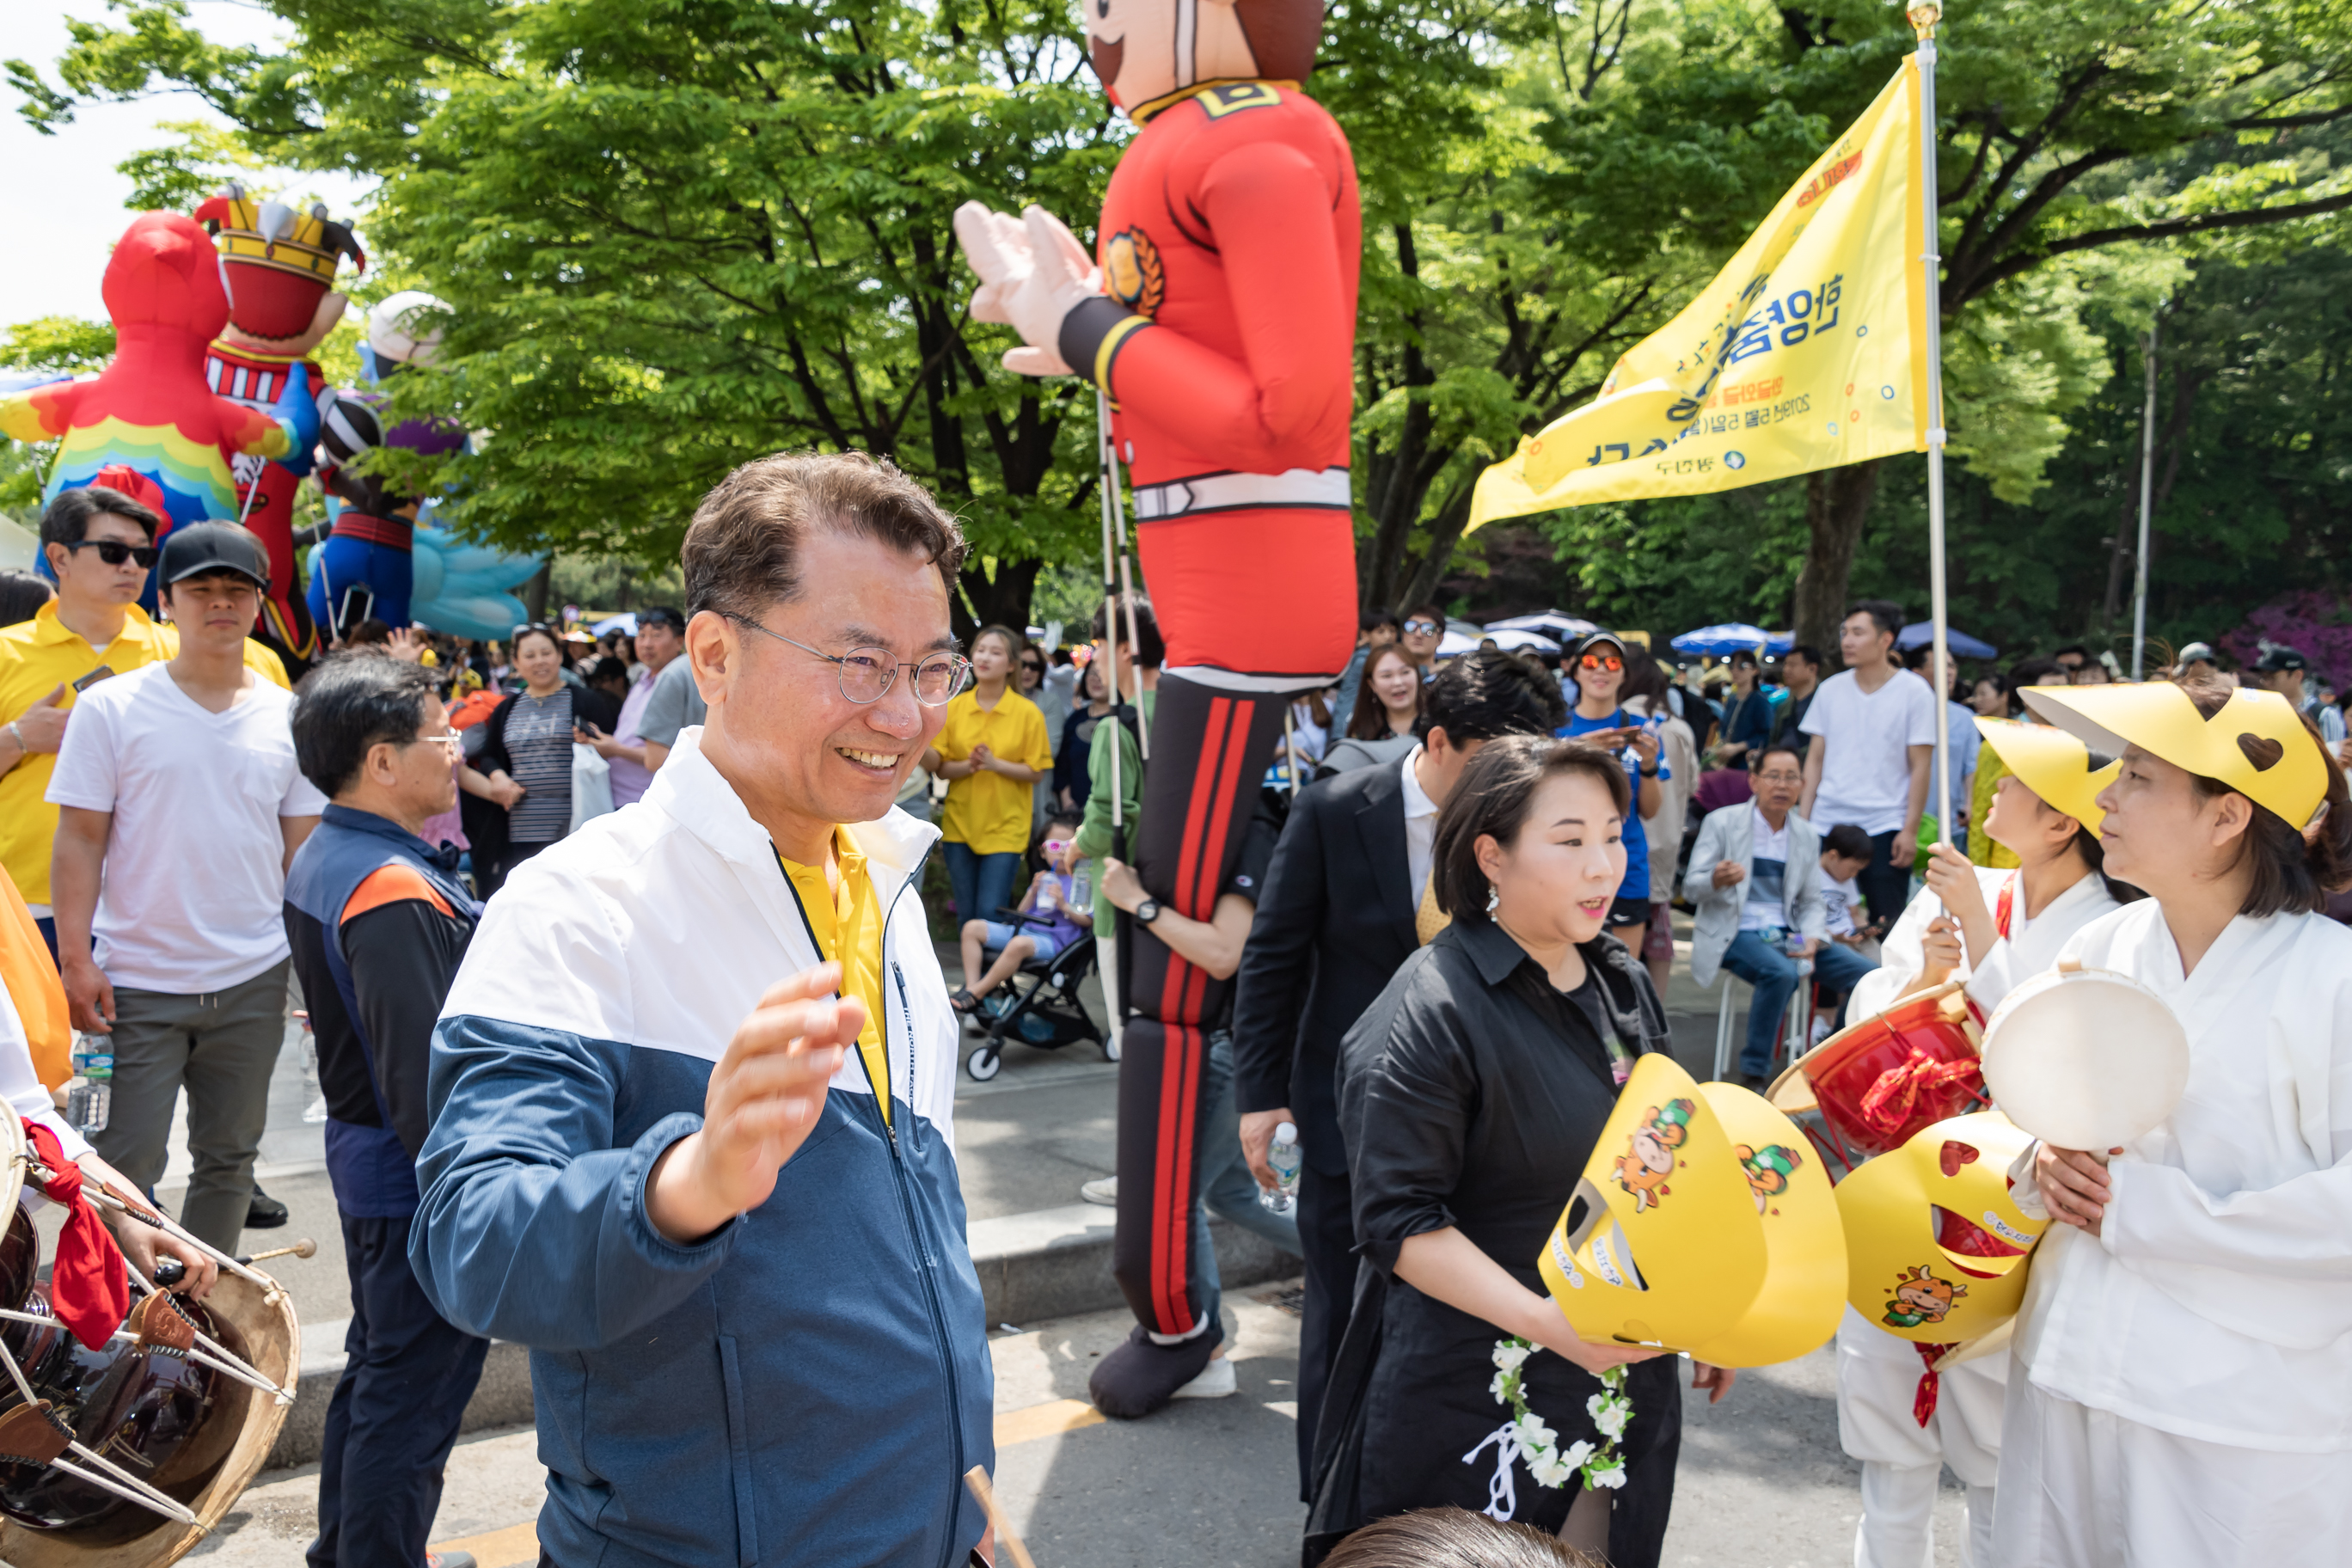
x=265 y=1213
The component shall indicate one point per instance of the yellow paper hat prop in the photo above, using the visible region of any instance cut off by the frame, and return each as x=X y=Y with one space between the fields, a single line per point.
x=1659 y=1245
x=2054 y=765
x=1936 y=1247
x=2257 y=745
x=1802 y=1298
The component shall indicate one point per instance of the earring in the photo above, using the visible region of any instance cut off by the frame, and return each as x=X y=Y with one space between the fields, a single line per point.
x=1493 y=897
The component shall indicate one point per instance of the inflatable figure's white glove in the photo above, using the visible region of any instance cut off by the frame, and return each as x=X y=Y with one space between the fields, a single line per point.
x=1033 y=273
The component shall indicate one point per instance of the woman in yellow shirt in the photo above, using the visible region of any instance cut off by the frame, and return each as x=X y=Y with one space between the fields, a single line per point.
x=993 y=751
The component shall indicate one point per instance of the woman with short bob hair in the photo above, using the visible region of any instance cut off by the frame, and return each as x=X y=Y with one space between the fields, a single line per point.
x=1472 y=1093
x=2181 y=1387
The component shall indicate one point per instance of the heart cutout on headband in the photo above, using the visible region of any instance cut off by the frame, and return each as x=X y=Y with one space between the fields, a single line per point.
x=2260 y=751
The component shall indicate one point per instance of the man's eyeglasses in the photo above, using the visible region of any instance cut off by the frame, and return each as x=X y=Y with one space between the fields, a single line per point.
x=1421 y=628
x=866 y=673
x=1781 y=776
x=114 y=553
x=1601 y=661
x=442 y=738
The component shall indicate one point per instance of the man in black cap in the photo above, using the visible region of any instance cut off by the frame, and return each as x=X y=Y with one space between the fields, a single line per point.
x=179 y=805
x=2281 y=669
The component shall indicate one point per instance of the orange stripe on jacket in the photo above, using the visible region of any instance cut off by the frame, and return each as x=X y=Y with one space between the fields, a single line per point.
x=390 y=885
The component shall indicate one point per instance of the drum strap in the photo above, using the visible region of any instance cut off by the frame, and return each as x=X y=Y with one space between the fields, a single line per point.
x=2007 y=902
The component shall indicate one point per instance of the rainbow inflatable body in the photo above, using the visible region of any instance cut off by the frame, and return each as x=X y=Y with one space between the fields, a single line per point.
x=151 y=410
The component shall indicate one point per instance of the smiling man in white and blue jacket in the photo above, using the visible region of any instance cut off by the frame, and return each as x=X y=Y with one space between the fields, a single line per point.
x=692 y=1091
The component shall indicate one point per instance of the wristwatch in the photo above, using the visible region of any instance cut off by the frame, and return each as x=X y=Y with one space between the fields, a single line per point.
x=1649 y=772
x=1147 y=912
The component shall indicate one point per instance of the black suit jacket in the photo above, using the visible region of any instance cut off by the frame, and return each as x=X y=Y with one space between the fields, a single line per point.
x=1334 y=924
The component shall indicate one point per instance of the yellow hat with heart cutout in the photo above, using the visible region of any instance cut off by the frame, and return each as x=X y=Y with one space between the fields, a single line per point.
x=2053 y=764
x=2257 y=743
x=1936 y=1247
x=1798 y=1305
x=1659 y=1245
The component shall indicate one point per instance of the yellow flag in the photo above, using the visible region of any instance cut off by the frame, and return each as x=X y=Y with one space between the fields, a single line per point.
x=1805 y=353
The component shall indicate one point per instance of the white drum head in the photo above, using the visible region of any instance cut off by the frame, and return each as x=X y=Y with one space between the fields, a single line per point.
x=2085 y=1059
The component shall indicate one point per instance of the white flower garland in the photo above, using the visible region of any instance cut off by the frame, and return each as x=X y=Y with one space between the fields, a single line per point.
x=1528 y=1437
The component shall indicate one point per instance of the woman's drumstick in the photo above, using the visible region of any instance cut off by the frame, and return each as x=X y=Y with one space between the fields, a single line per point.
x=976 y=1479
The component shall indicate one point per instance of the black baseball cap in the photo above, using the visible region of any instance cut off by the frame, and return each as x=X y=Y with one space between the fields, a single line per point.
x=661 y=615
x=194 y=549
x=2278 y=658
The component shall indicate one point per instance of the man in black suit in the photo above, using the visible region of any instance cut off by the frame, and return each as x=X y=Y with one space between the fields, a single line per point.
x=1344 y=905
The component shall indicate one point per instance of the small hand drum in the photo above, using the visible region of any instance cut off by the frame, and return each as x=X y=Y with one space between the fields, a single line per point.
x=2085 y=1059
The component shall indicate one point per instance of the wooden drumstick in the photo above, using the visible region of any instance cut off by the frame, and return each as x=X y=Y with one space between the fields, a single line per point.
x=305 y=1248
x=976 y=1479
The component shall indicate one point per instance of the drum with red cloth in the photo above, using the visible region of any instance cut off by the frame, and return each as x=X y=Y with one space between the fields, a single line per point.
x=131 y=1417
x=1875 y=1083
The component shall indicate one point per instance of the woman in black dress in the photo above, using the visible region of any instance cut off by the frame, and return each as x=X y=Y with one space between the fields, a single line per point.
x=1471 y=1094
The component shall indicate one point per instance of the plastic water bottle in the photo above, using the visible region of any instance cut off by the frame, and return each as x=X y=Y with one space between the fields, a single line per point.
x=89 y=1096
x=1082 y=891
x=1284 y=1156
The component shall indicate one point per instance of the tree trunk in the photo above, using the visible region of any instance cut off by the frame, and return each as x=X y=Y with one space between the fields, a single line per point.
x=1003 y=603
x=534 y=590
x=1444 y=533
x=1837 y=503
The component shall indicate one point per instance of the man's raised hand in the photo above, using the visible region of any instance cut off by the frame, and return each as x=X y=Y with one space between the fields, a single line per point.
x=765 y=1095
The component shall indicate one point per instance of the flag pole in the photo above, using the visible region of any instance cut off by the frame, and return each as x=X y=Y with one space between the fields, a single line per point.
x=1106 y=454
x=2146 y=490
x=1923 y=18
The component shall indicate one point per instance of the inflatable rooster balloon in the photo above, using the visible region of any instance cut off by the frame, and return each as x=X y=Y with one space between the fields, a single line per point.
x=1218 y=313
x=152 y=412
x=280 y=263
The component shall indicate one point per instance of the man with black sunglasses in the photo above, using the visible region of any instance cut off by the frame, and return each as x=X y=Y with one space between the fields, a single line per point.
x=98 y=542
x=1424 y=630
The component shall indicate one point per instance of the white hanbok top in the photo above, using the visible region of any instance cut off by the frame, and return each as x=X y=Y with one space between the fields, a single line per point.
x=2216 y=1302
x=2029 y=947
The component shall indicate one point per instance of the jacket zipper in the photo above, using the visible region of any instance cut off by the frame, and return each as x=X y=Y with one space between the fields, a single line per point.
x=925 y=1252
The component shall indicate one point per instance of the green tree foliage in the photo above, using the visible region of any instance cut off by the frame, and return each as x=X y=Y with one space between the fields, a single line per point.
x=679 y=234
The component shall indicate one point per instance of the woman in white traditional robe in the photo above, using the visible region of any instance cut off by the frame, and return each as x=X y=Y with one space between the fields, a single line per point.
x=2182 y=1366
x=1993 y=929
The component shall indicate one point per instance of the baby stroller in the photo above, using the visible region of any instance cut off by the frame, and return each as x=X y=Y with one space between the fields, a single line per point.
x=1038 y=1006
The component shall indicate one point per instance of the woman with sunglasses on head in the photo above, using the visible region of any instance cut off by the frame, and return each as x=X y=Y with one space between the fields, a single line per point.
x=2181 y=1382
x=993 y=751
x=1597 y=717
x=1385 y=724
x=518 y=780
x=1994 y=929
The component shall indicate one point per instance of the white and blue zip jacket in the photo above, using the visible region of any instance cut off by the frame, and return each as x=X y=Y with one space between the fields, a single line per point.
x=807 y=1386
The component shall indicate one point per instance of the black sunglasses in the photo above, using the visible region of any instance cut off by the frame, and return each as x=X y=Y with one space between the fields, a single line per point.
x=114 y=553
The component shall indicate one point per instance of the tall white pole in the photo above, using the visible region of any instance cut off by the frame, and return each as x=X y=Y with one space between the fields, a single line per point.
x=2147 y=498
x=1105 y=929
x=1924 y=19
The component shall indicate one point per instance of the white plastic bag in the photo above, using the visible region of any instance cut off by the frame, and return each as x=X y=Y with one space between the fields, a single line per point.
x=592 y=786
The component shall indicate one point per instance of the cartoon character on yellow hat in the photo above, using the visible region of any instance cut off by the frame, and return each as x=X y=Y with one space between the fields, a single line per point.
x=1649 y=1157
x=1937 y=1248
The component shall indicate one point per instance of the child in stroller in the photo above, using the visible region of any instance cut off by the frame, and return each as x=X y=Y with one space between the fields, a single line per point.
x=1047 y=922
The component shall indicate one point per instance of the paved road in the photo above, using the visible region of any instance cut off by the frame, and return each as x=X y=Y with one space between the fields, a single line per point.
x=1210 y=1483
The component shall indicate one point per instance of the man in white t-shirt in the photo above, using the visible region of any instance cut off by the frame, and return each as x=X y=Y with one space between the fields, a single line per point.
x=179 y=805
x=1873 y=729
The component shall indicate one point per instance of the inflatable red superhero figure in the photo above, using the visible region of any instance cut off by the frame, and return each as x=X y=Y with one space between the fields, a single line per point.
x=1221 y=320
x=280 y=263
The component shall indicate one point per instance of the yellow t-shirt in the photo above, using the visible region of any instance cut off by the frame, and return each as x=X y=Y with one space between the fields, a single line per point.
x=988 y=811
x=37 y=656
x=847 y=922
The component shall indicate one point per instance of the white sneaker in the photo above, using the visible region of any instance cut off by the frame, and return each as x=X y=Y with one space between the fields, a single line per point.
x=1214 y=1381
x=1821 y=1030
x=1103 y=1190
